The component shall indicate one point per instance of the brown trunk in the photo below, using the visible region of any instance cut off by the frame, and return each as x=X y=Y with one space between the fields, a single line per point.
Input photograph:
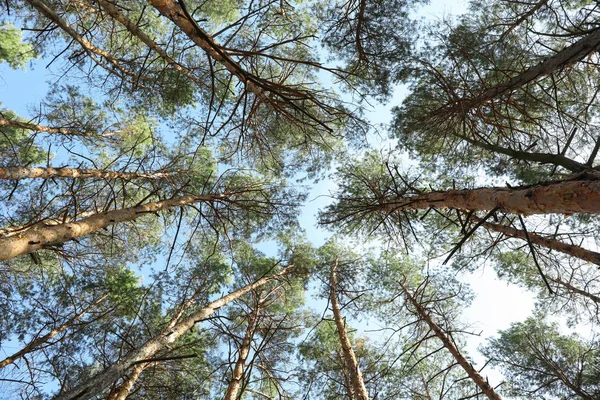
x=121 y=392
x=16 y=173
x=561 y=197
x=39 y=237
x=97 y=384
x=448 y=344
x=173 y=11
x=575 y=290
x=243 y=352
x=41 y=340
x=557 y=245
x=358 y=384
x=560 y=60
x=90 y=49
x=41 y=128
x=135 y=30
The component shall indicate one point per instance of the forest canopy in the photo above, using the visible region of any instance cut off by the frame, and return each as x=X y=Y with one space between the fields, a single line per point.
x=153 y=201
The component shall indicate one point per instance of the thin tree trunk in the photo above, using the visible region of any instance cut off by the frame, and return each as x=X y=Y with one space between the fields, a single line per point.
x=479 y=380
x=135 y=30
x=39 y=237
x=243 y=352
x=34 y=344
x=97 y=384
x=542 y=158
x=575 y=290
x=569 y=249
x=568 y=56
x=42 y=128
x=90 y=49
x=358 y=384
x=16 y=173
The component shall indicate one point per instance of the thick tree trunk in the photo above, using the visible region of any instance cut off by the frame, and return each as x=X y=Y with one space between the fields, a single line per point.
x=97 y=384
x=121 y=392
x=238 y=372
x=479 y=380
x=34 y=344
x=561 y=197
x=557 y=245
x=42 y=236
x=568 y=56
x=173 y=11
x=16 y=173
x=358 y=384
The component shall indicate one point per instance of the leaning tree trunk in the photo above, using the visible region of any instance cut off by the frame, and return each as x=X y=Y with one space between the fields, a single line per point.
x=16 y=173
x=94 y=386
x=479 y=380
x=42 y=236
x=49 y=129
x=568 y=56
x=358 y=384
x=553 y=244
x=121 y=392
x=36 y=343
x=238 y=372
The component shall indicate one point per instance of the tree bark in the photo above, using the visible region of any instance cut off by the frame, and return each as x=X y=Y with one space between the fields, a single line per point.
x=358 y=384
x=97 y=384
x=561 y=197
x=121 y=392
x=16 y=173
x=575 y=290
x=39 y=237
x=569 y=249
x=243 y=352
x=448 y=344
x=560 y=60
x=41 y=340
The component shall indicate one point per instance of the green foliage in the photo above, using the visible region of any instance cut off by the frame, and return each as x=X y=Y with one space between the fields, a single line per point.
x=539 y=361
x=123 y=288
x=17 y=147
x=13 y=50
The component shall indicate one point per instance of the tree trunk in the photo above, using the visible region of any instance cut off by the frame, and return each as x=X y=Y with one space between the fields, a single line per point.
x=173 y=11
x=569 y=249
x=39 y=237
x=41 y=128
x=448 y=344
x=243 y=352
x=568 y=56
x=97 y=384
x=358 y=384
x=541 y=158
x=573 y=289
x=16 y=173
x=121 y=392
x=561 y=197
x=41 y=340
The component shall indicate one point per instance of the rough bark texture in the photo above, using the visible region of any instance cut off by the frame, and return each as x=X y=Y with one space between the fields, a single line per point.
x=43 y=339
x=479 y=380
x=97 y=384
x=121 y=392
x=358 y=384
x=16 y=173
x=560 y=60
x=562 y=197
x=238 y=372
x=570 y=249
x=39 y=237
x=173 y=11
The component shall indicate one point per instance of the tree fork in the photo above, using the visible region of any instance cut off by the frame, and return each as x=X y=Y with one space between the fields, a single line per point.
x=460 y=359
